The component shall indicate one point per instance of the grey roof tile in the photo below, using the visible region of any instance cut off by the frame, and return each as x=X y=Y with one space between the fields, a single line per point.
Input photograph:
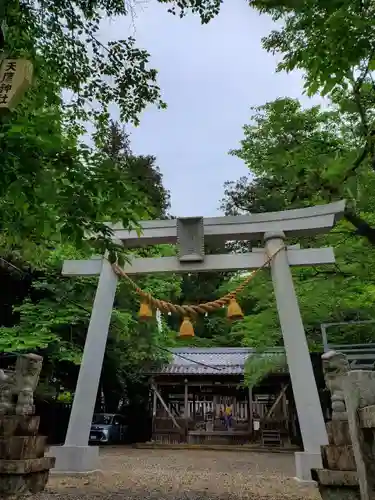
x=209 y=361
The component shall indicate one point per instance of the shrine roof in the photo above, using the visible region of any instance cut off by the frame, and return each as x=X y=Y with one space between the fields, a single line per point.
x=210 y=360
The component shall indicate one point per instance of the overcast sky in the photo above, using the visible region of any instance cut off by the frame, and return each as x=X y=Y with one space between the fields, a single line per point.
x=210 y=76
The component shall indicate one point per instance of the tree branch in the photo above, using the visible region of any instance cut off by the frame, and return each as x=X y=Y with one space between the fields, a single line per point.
x=362 y=227
x=357 y=162
x=367 y=129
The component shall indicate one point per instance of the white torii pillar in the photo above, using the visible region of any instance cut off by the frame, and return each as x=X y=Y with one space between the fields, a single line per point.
x=306 y=396
x=75 y=455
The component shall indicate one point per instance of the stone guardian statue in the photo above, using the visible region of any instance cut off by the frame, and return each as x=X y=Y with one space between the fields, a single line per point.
x=335 y=368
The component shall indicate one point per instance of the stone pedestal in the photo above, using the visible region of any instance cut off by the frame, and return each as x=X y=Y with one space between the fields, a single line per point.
x=337 y=484
x=23 y=466
x=338 y=479
x=359 y=390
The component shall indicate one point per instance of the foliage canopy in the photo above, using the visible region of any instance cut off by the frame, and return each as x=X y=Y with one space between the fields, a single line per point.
x=55 y=189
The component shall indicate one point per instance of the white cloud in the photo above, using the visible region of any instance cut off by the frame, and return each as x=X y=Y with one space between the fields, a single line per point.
x=210 y=76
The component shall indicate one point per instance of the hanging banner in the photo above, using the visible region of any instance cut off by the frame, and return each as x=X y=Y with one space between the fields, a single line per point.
x=15 y=78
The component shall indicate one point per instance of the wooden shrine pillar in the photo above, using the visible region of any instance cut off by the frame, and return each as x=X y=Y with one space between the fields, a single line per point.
x=186 y=407
x=285 y=412
x=216 y=406
x=154 y=404
x=250 y=410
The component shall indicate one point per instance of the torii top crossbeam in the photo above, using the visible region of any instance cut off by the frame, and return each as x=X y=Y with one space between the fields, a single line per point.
x=298 y=222
x=190 y=235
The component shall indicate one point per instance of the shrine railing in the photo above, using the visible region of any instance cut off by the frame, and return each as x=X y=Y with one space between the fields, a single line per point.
x=360 y=356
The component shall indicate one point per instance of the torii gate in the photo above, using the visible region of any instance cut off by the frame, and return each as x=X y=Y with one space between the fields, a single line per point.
x=190 y=234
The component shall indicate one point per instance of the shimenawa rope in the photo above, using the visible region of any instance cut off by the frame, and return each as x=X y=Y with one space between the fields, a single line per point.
x=203 y=308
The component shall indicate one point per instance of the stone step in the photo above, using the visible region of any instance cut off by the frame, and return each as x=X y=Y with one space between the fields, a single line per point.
x=338 y=432
x=336 y=484
x=338 y=457
x=337 y=478
x=26 y=466
x=17 y=425
x=16 y=485
x=22 y=447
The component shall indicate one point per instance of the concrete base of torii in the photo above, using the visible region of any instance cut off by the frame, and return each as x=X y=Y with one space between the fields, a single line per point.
x=305 y=461
x=75 y=459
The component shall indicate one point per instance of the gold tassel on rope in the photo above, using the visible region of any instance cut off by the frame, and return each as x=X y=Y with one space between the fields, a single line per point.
x=145 y=311
x=186 y=328
x=234 y=311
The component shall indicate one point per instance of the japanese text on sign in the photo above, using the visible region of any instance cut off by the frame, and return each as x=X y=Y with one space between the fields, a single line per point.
x=15 y=78
x=6 y=81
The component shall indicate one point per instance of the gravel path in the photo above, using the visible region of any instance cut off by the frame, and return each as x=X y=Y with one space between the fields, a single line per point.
x=184 y=475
